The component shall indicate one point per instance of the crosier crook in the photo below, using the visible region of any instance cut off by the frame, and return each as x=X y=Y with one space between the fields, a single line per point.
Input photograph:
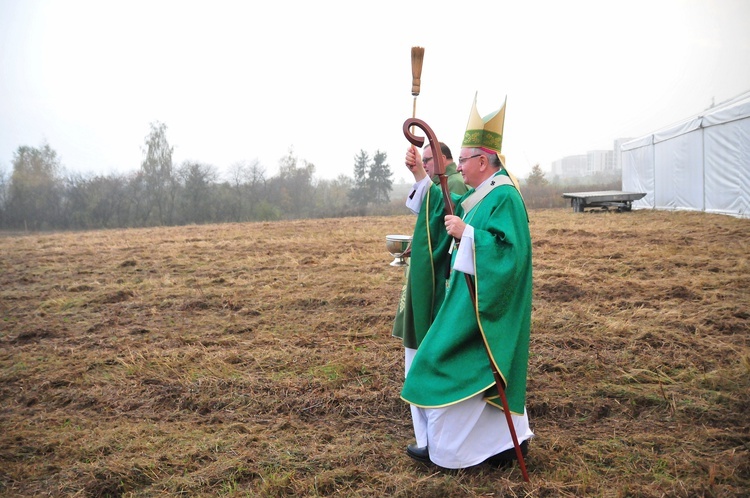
x=440 y=171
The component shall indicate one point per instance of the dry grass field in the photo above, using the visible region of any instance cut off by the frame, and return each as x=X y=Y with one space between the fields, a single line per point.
x=256 y=360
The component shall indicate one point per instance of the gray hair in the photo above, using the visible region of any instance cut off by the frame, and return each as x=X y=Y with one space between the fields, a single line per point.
x=493 y=158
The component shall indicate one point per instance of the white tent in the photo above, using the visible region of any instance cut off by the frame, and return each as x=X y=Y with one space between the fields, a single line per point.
x=699 y=164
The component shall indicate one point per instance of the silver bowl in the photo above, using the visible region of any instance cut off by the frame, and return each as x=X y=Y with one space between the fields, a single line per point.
x=397 y=246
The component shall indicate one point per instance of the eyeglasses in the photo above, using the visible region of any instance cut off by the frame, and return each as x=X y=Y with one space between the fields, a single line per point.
x=426 y=160
x=462 y=160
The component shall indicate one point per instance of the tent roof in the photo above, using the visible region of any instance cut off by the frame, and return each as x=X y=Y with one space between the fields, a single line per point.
x=730 y=110
x=737 y=108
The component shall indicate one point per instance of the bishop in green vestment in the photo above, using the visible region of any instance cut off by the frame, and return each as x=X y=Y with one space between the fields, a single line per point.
x=450 y=384
x=451 y=363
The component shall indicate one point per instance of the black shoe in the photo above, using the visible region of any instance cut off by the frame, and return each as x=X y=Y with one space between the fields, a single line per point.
x=504 y=458
x=418 y=454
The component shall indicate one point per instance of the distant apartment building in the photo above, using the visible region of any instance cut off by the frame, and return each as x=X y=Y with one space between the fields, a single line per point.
x=570 y=166
x=599 y=161
x=593 y=162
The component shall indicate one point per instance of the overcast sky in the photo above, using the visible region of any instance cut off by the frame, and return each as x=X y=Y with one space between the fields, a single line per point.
x=243 y=81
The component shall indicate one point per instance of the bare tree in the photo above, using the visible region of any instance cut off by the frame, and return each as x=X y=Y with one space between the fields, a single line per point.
x=295 y=186
x=332 y=197
x=248 y=183
x=536 y=177
x=35 y=190
x=196 y=180
x=4 y=185
x=160 y=184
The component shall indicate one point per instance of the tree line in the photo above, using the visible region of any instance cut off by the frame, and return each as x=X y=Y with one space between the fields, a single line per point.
x=38 y=195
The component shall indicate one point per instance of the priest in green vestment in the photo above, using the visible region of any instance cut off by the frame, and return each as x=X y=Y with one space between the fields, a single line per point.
x=450 y=383
x=424 y=286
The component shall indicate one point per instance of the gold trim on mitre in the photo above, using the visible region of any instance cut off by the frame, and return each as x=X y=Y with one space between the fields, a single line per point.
x=485 y=132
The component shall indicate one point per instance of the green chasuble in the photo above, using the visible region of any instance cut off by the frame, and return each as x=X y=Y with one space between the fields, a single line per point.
x=424 y=288
x=451 y=363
